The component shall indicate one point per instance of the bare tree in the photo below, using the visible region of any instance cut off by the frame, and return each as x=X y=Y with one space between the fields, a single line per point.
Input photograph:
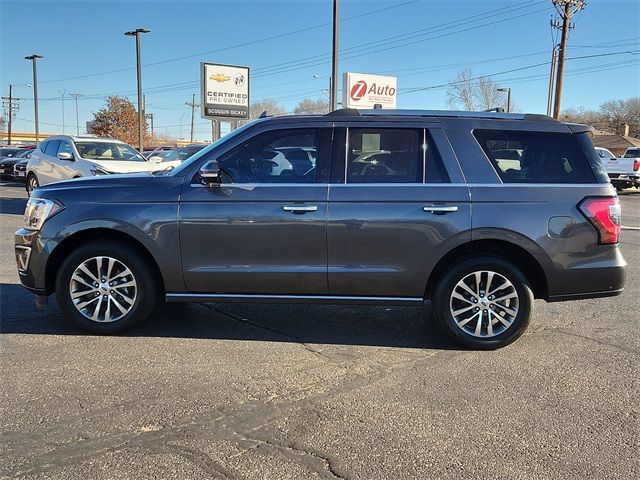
x=312 y=107
x=270 y=106
x=610 y=117
x=3 y=123
x=480 y=93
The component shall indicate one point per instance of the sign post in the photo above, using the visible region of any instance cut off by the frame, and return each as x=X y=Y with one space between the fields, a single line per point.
x=224 y=94
x=360 y=90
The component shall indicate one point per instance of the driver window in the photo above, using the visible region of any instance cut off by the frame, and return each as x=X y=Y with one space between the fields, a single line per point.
x=65 y=148
x=278 y=156
x=384 y=155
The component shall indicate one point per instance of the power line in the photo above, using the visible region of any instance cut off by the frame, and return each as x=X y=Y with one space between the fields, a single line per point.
x=239 y=45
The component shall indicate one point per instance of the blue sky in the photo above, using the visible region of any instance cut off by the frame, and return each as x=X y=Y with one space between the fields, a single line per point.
x=424 y=43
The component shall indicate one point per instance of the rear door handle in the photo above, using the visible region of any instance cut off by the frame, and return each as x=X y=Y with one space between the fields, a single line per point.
x=300 y=208
x=440 y=209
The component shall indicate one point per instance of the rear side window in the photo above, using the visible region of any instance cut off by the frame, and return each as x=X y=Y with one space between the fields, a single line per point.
x=384 y=155
x=536 y=157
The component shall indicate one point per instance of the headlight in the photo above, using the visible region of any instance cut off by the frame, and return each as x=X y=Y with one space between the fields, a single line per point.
x=99 y=171
x=38 y=210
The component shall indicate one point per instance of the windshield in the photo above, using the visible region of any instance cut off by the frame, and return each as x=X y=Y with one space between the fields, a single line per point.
x=108 y=151
x=198 y=155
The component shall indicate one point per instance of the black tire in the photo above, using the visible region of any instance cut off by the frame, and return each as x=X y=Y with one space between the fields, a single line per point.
x=147 y=290
x=442 y=303
x=32 y=183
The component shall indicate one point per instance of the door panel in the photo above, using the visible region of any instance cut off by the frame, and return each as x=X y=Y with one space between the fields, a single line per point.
x=384 y=238
x=259 y=238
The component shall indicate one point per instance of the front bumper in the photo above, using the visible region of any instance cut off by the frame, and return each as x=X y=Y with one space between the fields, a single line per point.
x=31 y=261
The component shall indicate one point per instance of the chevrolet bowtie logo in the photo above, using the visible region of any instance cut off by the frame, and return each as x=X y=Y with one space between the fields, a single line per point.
x=219 y=77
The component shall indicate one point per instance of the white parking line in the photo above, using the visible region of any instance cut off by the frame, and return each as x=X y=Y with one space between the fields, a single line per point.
x=624 y=227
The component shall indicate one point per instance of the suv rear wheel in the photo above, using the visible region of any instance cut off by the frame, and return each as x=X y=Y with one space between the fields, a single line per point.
x=483 y=303
x=106 y=287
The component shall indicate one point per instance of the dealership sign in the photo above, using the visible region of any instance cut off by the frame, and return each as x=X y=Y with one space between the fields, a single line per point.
x=225 y=91
x=365 y=91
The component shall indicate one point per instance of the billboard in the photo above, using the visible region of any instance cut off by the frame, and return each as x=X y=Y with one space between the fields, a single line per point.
x=360 y=90
x=225 y=91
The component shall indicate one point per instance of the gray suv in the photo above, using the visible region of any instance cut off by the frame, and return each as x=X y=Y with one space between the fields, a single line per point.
x=474 y=213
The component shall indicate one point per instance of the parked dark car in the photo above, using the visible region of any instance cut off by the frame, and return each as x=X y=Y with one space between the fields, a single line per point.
x=7 y=164
x=20 y=170
x=354 y=207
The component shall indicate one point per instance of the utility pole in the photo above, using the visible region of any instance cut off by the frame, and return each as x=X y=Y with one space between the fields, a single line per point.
x=334 y=62
x=62 y=94
x=76 y=95
x=12 y=106
x=552 y=77
x=193 y=106
x=566 y=9
x=10 y=99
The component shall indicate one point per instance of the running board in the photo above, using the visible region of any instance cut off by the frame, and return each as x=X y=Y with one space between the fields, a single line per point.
x=321 y=299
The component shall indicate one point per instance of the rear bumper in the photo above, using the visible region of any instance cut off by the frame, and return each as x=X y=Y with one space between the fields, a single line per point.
x=604 y=277
x=625 y=181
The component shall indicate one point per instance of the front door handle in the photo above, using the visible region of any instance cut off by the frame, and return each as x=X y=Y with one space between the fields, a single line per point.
x=440 y=209
x=300 y=208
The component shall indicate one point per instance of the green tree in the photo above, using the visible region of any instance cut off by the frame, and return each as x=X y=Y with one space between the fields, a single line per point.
x=119 y=119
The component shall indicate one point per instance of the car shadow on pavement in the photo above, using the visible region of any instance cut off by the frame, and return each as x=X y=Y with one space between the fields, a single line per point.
x=405 y=327
x=12 y=206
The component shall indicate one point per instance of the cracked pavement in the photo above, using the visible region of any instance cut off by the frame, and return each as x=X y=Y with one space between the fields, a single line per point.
x=242 y=391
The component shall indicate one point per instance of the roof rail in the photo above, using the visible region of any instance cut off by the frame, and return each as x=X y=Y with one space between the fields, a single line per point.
x=498 y=115
x=343 y=112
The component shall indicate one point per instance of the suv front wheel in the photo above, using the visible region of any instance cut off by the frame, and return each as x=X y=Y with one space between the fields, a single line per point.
x=483 y=303
x=32 y=183
x=106 y=287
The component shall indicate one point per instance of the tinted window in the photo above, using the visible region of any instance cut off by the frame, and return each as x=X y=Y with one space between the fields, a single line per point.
x=384 y=155
x=52 y=147
x=65 y=147
x=632 y=153
x=278 y=156
x=536 y=157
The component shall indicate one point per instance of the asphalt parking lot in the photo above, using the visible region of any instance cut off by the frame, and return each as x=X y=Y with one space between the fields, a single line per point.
x=297 y=392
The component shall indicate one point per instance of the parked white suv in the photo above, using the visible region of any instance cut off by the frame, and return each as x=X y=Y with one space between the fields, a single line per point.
x=63 y=157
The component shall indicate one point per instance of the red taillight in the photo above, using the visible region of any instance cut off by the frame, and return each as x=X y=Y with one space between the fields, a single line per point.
x=604 y=214
x=636 y=165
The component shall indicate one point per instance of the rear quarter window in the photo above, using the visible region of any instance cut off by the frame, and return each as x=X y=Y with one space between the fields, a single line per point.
x=540 y=157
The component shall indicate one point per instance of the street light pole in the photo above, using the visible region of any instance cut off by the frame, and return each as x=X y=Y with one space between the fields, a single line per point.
x=62 y=94
x=34 y=59
x=508 y=90
x=136 y=33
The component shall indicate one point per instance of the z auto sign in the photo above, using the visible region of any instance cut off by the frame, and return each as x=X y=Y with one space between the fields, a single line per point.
x=364 y=91
x=225 y=91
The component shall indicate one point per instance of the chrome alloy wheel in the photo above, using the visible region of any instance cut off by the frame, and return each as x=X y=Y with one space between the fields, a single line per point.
x=484 y=304
x=103 y=289
x=32 y=184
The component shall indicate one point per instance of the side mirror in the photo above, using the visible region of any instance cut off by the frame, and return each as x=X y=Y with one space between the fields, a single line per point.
x=210 y=173
x=155 y=159
x=65 y=156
